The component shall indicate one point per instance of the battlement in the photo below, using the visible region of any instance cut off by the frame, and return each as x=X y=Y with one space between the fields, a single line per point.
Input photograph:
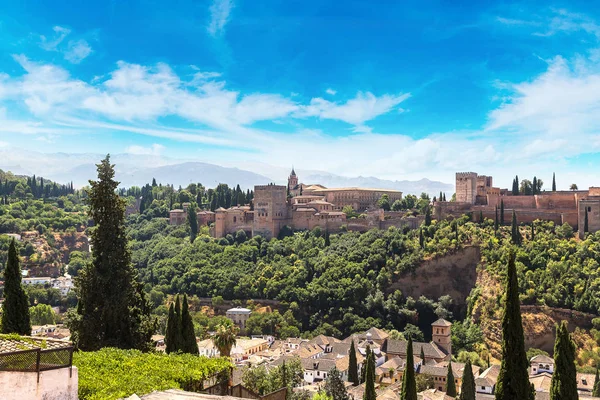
x=269 y=187
x=466 y=174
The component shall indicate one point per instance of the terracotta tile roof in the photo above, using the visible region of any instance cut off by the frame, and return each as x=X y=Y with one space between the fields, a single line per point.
x=398 y=347
x=441 y=322
x=29 y=343
x=540 y=358
x=377 y=334
x=489 y=377
x=433 y=394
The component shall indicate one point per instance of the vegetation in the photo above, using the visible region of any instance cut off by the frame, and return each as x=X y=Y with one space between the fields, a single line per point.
x=42 y=314
x=450 y=384
x=564 y=378
x=369 y=376
x=409 y=386
x=112 y=309
x=180 y=335
x=513 y=380
x=264 y=381
x=353 y=366
x=15 y=309
x=334 y=386
x=225 y=338
x=111 y=374
x=467 y=389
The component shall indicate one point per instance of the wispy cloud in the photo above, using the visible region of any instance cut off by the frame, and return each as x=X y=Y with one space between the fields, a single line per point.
x=154 y=150
x=331 y=91
x=77 y=51
x=219 y=16
x=74 y=51
x=60 y=33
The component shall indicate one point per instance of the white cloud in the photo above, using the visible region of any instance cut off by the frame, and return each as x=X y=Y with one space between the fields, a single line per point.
x=77 y=51
x=331 y=91
x=154 y=150
x=219 y=16
x=60 y=34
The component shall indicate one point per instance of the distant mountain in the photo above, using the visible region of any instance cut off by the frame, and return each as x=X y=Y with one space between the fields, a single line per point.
x=432 y=188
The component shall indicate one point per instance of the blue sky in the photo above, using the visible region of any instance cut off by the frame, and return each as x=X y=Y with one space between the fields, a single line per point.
x=397 y=90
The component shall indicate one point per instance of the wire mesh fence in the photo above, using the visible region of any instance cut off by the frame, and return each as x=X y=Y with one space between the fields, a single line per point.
x=36 y=360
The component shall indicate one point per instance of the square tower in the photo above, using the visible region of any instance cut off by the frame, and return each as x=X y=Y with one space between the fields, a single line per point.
x=466 y=187
x=270 y=210
x=441 y=335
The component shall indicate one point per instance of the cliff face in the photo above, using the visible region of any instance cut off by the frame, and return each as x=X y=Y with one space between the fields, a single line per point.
x=454 y=275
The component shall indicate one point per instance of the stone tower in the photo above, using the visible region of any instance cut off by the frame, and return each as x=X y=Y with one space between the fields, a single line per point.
x=441 y=335
x=270 y=210
x=466 y=187
x=292 y=180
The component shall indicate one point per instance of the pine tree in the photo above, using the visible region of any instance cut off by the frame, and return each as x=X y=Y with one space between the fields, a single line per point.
x=501 y=212
x=585 y=222
x=193 y=221
x=496 y=221
x=467 y=389
x=553 y=182
x=112 y=309
x=334 y=386
x=450 y=384
x=409 y=384
x=189 y=344
x=515 y=233
x=353 y=366
x=596 y=389
x=370 y=376
x=15 y=310
x=513 y=379
x=564 y=378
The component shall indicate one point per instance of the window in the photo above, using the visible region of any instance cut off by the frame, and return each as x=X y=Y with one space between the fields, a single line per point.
x=589 y=209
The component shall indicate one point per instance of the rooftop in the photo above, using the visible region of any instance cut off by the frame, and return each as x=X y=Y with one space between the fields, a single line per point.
x=11 y=343
x=344 y=189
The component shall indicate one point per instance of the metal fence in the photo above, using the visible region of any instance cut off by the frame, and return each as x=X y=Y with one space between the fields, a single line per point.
x=36 y=360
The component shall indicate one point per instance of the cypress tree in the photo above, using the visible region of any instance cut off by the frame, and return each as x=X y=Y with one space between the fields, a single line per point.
x=502 y=212
x=370 y=377
x=534 y=186
x=422 y=355
x=450 y=384
x=112 y=309
x=178 y=336
x=170 y=334
x=553 y=182
x=515 y=187
x=585 y=222
x=515 y=233
x=193 y=221
x=364 y=368
x=596 y=390
x=189 y=344
x=427 y=216
x=15 y=310
x=513 y=379
x=496 y=221
x=480 y=216
x=532 y=232
x=353 y=366
x=409 y=384
x=421 y=238
x=444 y=196
x=564 y=378
x=467 y=389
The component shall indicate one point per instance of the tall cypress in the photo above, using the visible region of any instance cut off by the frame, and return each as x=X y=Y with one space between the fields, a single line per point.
x=553 y=182
x=480 y=216
x=596 y=389
x=467 y=389
x=496 y=222
x=515 y=233
x=450 y=384
x=409 y=384
x=502 y=212
x=189 y=344
x=370 y=376
x=421 y=238
x=427 y=216
x=112 y=309
x=422 y=355
x=534 y=186
x=564 y=378
x=353 y=366
x=178 y=337
x=532 y=232
x=193 y=221
x=513 y=379
x=170 y=334
x=15 y=310
x=515 y=186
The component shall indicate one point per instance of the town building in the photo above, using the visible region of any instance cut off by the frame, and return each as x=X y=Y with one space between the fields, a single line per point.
x=239 y=316
x=486 y=381
x=540 y=364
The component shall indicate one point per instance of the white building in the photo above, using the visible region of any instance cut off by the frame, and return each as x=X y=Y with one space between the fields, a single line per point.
x=40 y=280
x=540 y=364
x=208 y=349
x=239 y=316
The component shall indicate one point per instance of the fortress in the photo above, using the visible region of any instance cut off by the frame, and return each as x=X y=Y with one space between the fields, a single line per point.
x=476 y=193
x=298 y=206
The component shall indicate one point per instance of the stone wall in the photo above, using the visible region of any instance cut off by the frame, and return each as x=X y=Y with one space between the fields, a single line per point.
x=56 y=384
x=466 y=187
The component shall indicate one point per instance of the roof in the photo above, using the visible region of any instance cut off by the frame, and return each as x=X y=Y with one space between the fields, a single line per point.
x=320 y=202
x=177 y=210
x=430 y=350
x=489 y=377
x=377 y=334
x=175 y=394
x=540 y=358
x=441 y=322
x=10 y=343
x=344 y=189
x=433 y=394
x=293 y=172
x=541 y=382
x=240 y=310
x=585 y=382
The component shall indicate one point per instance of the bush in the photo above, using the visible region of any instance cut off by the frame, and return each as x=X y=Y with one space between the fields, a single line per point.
x=111 y=374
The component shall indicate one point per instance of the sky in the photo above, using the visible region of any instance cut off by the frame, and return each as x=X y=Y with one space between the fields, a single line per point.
x=392 y=89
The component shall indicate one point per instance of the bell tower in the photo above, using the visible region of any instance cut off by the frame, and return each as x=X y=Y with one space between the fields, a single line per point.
x=292 y=180
x=441 y=335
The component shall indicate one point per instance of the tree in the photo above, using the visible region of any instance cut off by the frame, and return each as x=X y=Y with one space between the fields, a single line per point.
x=422 y=355
x=193 y=221
x=526 y=187
x=112 y=310
x=534 y=185
x=502 y=212
x=532 y=232
x=596 y=389
x=421 y=238
x=173 y=327
x=467 y=389
x=481 y=217
x=573 y=187
x=515 y=233
x=513 y=379
x=334 y=386
x=450 y=384
x=188 y=335
x=409 y=385
x=427 y=216
x=515 y=186
x=353 y=366
x=384 y=202
x=225 y=338
x=15 y=309
x=564 y=378
x=496 y=222
x=553 y=182
x=42 y=314
x=370 y=376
